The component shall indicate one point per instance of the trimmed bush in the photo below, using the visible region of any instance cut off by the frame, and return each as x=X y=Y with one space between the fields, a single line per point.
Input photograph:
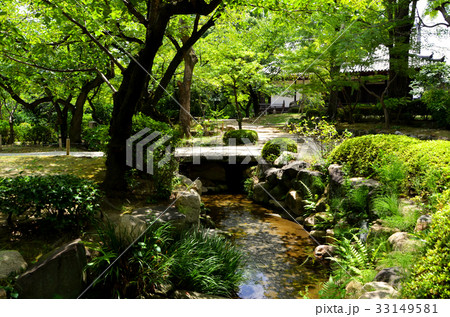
x=240 y=135
x=273 y=148
x=427 y=163
x=65 y=198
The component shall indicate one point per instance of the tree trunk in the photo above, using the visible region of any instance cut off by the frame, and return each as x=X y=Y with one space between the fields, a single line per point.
x=78 y=110
x=255 y=100
x=12 y=134
x=190 y=59
x=126 y=101
x=238 y=110
x=334 y=93
x=402 y=17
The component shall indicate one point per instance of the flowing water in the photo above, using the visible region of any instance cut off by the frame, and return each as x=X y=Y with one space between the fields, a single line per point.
x=278 y=252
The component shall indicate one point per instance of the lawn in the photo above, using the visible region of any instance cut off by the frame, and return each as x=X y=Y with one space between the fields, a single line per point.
x=85 y=167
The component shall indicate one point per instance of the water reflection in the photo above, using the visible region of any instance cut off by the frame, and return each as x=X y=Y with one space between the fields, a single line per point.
x=278 y=251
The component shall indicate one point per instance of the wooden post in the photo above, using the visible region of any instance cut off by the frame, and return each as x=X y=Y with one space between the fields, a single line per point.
x=60 y=141
x=67 y=146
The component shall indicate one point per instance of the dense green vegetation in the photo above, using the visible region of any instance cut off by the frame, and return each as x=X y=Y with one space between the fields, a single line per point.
x=240 y=137
x=64 y=199
x=175 y=66
x=426 y=164
x=190 y=260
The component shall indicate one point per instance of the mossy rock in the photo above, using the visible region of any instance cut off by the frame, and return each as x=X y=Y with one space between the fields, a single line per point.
x=273 y=148
x=241 y=136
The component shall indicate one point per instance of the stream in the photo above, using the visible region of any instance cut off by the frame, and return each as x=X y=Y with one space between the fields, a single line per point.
x=278 y=253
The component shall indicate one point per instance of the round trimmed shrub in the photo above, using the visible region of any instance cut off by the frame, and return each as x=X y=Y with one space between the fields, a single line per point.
x=273 y=148
x=240 y=136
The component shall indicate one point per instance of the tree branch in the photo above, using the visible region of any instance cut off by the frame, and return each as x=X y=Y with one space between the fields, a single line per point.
x=50 y=69
x=135 y=12
x=159 y=91
x=18 y=99
x=85 y=31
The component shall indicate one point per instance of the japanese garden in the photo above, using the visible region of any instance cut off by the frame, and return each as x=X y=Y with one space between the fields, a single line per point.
x=210 y=149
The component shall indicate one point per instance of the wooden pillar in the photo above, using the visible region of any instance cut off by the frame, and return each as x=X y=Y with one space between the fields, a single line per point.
x=67 y=146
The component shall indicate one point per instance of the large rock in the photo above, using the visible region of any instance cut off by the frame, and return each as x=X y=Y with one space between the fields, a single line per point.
x=11 y=262
x=291 y=170
x=188 y=203
x=337 y=179
x=391 y=275
x=278 y=192
x=130 y=227
x=378 y=290
x=294 y=203
x=357 y=182
x=423 y=223
x=402 y=241
x=161 y=214
x=353 y=289
x=313 y=180
x=284 y=158
x=273 y=176
x=260 y=192
x=324 y=251
x=377 y=229
x=60 y=274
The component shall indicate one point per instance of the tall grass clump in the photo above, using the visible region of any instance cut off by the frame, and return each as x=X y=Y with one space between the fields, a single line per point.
x=207 y=263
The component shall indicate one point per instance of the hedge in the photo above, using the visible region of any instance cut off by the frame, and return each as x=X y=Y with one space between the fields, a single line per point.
x=427 y=162
x=65 y=198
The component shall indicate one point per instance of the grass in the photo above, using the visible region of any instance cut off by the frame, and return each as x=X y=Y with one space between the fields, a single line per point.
x=279 y=119
x=14 y=148
x=84 y=167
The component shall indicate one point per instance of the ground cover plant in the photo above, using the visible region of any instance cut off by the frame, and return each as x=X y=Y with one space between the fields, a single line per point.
x=192 y=260
x=64 y=199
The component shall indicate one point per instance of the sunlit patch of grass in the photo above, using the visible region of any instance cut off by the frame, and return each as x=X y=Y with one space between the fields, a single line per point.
x=88 y=168
x=273 y=119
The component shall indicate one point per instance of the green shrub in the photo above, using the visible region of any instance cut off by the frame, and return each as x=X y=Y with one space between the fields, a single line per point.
x=438 y=103
x=240 y=136
x=164 y=163
x=4 y=130
x=66 y=198
x=191 y=260
x=35 y=133
x=430 y=276
x=206 y=263
x=427 y=163
x=386 y=206
x=138 y=271
x=97 y=138
x=273 y=148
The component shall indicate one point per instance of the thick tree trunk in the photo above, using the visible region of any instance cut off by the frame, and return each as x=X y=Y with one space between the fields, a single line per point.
x=78 y=110
x=190 y=59
x=126 y=102
x=402 y=16
x=255 y=100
